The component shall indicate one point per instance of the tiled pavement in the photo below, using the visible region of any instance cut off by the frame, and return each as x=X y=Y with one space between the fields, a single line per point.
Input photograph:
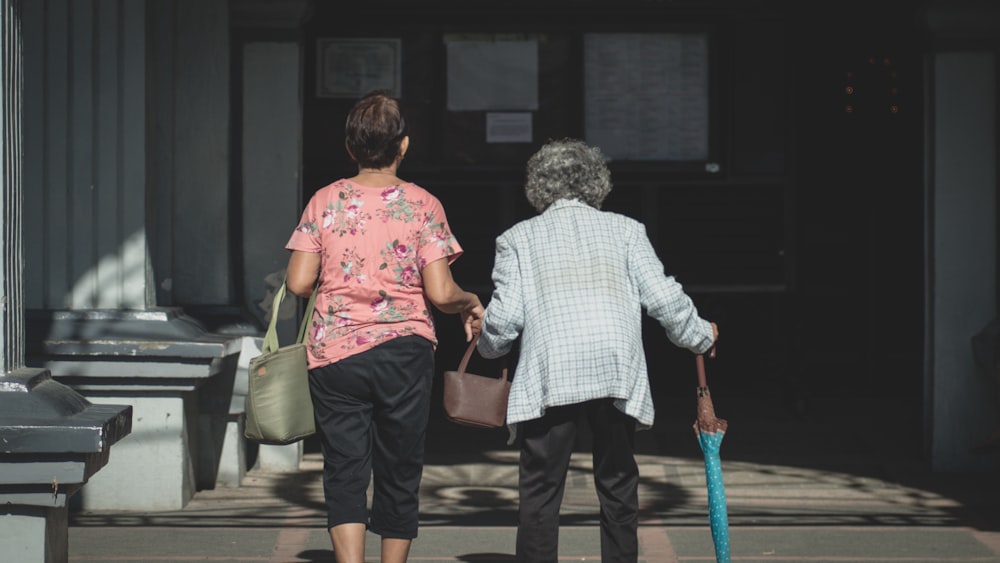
x=824 y=489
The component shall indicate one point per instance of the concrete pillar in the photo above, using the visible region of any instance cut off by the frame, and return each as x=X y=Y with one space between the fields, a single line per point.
x=271 y=53
x=960 y=401
x=127 y=209
x=963 y=260
x=51 y=439
x=85 y=155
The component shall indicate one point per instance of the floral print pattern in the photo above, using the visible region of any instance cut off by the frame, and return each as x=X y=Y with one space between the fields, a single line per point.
x=343 y=216
x=437 y=234
x=388 y=311
x=352 y=265
x=397 y=207
x=400 y=260
x=370 y=277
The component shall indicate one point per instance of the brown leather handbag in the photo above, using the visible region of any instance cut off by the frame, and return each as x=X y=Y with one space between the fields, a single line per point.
x=475 y=400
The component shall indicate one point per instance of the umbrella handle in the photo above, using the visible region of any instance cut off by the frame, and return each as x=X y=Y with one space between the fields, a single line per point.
x=700 y=360
x=702 y=380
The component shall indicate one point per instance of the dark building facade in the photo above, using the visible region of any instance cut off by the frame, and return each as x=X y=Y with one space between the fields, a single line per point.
x=822 y=179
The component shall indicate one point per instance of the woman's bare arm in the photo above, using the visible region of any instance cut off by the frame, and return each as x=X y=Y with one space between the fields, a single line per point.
x=302 y=272
x=446 y=295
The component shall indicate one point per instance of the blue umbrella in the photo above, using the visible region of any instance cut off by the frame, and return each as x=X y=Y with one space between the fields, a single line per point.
x=710 y=431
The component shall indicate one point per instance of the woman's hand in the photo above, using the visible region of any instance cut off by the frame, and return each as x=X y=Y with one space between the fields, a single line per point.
x=472 y=318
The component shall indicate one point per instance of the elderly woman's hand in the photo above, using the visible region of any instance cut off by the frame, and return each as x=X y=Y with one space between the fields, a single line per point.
x=715 y=339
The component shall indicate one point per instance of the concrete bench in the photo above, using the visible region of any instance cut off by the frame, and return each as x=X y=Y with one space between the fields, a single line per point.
x=179 y=379
x=52 y=442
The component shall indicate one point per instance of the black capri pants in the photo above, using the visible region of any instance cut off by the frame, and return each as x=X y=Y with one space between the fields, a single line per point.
x=371 y=413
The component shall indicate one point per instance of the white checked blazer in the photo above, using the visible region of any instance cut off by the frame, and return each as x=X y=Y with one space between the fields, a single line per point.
x=573 y=282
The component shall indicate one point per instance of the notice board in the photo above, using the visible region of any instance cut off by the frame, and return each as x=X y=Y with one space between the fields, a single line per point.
x=646 y=95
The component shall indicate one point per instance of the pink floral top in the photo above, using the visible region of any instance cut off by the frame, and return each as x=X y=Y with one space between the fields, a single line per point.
x=373 y=243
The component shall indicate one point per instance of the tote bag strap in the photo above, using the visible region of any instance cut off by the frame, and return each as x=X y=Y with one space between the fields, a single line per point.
x=271 y=336
x=307 y=316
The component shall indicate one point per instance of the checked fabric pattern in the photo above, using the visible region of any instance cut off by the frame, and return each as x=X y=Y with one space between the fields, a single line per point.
x=573 y=282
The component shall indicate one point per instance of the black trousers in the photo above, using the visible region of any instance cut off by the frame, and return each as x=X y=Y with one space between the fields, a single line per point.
x=371 y=413
x=546 y=446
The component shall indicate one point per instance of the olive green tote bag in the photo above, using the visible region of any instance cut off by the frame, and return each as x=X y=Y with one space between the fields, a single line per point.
x=278 y=406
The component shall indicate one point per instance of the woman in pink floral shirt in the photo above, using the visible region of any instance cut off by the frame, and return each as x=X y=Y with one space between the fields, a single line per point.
x=380 y=250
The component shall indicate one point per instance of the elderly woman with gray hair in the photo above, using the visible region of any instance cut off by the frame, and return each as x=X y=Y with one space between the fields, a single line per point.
x=572 y=283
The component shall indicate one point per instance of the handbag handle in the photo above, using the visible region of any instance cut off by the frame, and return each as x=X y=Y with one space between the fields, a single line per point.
x=468 y=355
x=271 y=336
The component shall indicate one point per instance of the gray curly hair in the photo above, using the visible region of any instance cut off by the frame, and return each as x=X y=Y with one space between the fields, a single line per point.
x=567 y=169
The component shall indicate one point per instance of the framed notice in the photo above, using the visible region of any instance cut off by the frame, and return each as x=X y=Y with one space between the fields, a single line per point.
x=352 y=67
x=646 y=95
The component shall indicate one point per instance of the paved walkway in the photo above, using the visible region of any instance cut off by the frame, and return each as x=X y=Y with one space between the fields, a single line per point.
x=823 y=489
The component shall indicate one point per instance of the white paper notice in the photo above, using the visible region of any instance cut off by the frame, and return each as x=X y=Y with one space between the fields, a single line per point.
x=646 y=95
x=492 y=75
x=508 y=127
